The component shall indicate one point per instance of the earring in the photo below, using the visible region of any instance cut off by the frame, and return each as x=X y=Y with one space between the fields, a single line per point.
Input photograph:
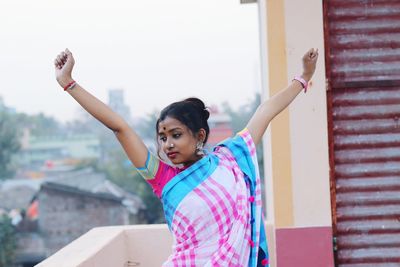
x=199 y=149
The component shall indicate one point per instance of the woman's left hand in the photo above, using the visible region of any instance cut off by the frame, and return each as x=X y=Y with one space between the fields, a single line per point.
x=64 y=63
x=309 y=63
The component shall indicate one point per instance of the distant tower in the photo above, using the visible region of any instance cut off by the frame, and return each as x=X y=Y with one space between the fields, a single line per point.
x=117 y=103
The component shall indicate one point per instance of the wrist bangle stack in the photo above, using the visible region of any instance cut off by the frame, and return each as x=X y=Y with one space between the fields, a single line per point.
x=70 y=85
x=303 y=82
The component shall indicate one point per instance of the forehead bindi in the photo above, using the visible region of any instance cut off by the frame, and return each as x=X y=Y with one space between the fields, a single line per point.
x=170 y=124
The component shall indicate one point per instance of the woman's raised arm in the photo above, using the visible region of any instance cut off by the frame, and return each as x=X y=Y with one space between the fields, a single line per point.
x=273 y=106
x=130 y=141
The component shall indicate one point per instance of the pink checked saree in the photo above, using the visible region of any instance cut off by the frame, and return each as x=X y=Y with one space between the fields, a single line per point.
x=213 y=208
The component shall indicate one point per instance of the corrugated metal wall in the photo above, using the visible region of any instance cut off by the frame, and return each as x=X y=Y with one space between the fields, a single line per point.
x=363 y=68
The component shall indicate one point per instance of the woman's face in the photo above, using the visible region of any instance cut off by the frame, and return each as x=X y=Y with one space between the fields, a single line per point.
x=177 y=141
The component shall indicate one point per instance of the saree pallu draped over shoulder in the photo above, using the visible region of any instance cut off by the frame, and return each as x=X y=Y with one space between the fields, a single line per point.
x=213 y=209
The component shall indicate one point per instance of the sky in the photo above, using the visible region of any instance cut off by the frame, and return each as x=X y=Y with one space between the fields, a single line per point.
x=157 y=51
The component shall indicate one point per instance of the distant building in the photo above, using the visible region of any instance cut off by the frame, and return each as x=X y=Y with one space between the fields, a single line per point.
x=66 y=207
x=67 y=212
x=17 y=193
x=220 y=127
x=48 y=153
x=117 y=103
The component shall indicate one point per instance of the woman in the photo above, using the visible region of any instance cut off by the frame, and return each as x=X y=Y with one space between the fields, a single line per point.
x=212 y=202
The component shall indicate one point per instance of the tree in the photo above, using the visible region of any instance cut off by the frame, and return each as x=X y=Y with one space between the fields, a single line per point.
x=242 y=114
x=147 y=126
x=8 y=242
x=123 y=173
x=239 y=118
x=39 y=124
x=11 y=127
x=9 y=142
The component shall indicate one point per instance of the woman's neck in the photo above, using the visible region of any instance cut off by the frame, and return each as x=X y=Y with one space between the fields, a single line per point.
x=192 y=161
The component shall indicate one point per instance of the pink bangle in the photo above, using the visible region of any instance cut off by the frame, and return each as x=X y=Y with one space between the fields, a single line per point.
x=303 y=82
x=70 y=85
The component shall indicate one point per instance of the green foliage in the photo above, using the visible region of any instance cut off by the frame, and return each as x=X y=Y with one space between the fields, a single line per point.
x=147 y=126
x=39 y=125
x=9 y=143
x=8 y=242
x=121 y=172
x=12 y=126
x=239 y=118
x=242 y=114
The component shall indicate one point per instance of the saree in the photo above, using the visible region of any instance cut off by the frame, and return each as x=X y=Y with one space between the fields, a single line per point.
x=214 y=208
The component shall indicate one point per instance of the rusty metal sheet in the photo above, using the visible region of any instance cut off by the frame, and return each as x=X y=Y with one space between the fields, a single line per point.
x=363 y=70
x=366 y=143
x=364 y=37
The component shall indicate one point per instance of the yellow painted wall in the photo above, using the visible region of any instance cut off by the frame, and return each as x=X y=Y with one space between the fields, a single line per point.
x=280 y=139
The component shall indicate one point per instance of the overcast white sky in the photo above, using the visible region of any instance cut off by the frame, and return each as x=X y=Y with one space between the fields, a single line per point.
x=158 y=51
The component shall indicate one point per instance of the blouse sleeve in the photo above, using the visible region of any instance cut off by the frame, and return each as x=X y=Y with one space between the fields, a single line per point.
x=157 y=173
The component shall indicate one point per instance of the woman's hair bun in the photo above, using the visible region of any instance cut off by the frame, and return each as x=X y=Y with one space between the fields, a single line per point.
x=200 y=105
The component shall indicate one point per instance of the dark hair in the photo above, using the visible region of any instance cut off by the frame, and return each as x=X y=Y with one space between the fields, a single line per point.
x=191 y=112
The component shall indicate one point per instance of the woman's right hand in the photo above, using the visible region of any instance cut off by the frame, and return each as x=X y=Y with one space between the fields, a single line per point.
x=64 y=63
x=309 y=63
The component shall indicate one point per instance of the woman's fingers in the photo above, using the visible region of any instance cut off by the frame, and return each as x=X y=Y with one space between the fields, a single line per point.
x=308 y=54
x=60 y=60
x=315 y=53
x=64 y=57
x=315 y=56
x=312 y=53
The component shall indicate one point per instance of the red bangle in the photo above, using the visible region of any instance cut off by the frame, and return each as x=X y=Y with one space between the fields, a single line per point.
x=303 y=82
x=70 y=85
